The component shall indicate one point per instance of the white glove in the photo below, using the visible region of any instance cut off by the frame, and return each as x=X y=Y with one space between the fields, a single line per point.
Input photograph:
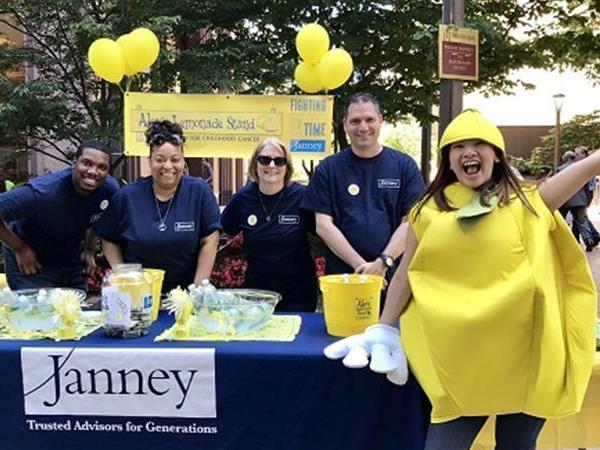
x=380 y=342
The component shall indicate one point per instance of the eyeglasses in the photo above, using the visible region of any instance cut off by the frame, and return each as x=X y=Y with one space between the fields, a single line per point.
x=279 y=161
x=159 y=139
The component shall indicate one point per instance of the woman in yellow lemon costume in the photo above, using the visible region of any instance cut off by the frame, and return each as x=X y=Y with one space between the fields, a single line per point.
x=503 y=310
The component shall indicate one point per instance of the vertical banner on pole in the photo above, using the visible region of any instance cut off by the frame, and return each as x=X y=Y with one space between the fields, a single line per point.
x=458 y=53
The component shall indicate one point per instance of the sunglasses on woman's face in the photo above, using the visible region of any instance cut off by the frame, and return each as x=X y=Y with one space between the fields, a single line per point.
x=279 y=161
x=159 y=139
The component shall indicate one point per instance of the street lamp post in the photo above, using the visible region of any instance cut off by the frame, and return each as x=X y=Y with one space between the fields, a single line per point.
x=558 y=102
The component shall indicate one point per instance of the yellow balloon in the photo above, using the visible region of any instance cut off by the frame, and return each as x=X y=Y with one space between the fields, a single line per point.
x=307 y=78
x=106 y=60
x=335 y=68
x=312 y=42
x=140 y=49
x=123 y=42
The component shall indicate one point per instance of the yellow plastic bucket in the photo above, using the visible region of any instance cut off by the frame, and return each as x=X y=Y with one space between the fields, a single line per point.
x=157 y=276
x=350 y=302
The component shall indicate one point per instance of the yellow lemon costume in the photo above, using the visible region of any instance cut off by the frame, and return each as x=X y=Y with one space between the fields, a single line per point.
x=503 y=314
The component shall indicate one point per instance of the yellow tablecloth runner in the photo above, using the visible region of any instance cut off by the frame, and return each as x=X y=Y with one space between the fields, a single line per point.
x=89 y=322
x=581 y=430
x=278 y=328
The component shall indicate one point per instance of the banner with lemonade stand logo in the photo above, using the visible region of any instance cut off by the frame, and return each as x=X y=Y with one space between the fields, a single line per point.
x=230 y=126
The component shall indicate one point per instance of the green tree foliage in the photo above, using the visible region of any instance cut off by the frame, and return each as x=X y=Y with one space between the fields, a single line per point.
x=405 y=137
x=572 y=39
x=240 y=47
x=63 y=102
x=582 y=130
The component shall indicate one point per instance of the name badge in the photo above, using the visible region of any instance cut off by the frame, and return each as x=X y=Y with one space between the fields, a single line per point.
x=288 y=219
x=388 y=183
x=185 y=226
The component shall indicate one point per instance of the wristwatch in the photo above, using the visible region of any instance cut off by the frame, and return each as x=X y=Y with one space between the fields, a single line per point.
x=388 y=261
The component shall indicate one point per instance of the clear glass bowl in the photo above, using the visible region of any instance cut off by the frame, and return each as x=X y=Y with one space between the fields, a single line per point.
x=234 y=311
x=32 y=309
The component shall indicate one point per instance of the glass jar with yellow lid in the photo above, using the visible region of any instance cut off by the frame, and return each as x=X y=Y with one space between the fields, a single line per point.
x=127 y=301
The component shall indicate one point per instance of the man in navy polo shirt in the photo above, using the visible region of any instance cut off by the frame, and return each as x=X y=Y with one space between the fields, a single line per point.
x=50 y=216
x=361 y=194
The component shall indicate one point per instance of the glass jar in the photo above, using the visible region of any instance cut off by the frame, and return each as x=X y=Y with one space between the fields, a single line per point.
x=127 y=301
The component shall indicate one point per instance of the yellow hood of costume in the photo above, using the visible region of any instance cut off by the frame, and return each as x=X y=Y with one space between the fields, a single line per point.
x=503 y=314
x=471 y=124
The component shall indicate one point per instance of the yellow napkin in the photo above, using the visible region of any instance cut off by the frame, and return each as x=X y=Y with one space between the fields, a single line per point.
x=278 y=328
x=89 y=322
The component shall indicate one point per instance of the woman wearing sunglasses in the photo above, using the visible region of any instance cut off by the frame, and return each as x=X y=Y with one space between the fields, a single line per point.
x=275 y=229
x=168 y=220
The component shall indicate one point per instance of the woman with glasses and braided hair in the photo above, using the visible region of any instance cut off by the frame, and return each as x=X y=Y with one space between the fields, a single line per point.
x=167 y=220
x=275 y=229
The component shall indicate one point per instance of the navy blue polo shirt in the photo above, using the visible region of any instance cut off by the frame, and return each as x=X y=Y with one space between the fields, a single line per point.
x=52 y=218
x=132 y=222
x=367 y=198
x=278 y=251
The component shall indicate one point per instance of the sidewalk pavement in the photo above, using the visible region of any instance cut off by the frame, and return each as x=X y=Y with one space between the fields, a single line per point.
x=594 y=255
x=594 y=261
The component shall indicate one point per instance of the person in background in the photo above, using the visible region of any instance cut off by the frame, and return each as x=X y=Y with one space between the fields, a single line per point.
x=568 y=158
x=44 y=222
x=577 y=205
x=489 y=330
x=514 y=169
x=275 y=229
x=167 y=221
x=206 y=171
x=581 y=153
x=361 y=194
x=5 y=184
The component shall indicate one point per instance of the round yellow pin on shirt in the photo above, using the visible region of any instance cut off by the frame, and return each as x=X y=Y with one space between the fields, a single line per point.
x=252 y=220
x=353 y=189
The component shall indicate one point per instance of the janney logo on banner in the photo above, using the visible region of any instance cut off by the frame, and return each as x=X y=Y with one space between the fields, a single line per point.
x=119 y=382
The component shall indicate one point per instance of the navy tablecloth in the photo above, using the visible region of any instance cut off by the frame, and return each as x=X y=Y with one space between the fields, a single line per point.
x=270 y=396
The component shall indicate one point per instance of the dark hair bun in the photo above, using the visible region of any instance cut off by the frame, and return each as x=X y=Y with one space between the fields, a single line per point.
x=164 y=127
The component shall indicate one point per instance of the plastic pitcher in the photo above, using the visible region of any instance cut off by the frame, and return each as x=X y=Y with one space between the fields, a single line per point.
x=350 y=302
x=157 y=276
